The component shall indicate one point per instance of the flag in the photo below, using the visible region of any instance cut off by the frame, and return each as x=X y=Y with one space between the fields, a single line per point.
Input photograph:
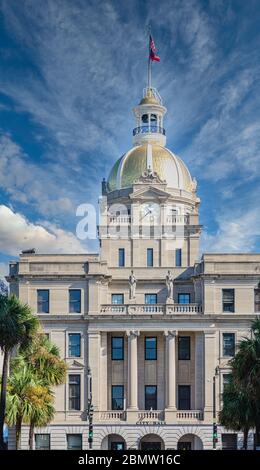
x=153 y=56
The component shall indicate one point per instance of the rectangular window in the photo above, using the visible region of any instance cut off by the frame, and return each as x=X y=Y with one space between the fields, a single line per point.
x=74 y=441
x=229 y=441
x=151 y=299
x=183 y=298
x=150 y=348
x=228 y=297
x=74 y=392
x=184 y=348
x=226 y=378
x=257 y=300
x=178 y=256
x=149 y=257
x=117 y=299
x=74 y=344
x=43 y=301
x=75 y=301
x=184 y=397
x=117 y=397
x=42 y=441
x=228 y=344
x=150 y=397
x=117 y=348
x=121 y=257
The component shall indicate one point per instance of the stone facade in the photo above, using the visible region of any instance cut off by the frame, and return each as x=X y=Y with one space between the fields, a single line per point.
x=213 y=297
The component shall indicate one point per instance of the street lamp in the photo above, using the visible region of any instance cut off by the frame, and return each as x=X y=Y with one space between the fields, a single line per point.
x=215 y=427
x=90 y=409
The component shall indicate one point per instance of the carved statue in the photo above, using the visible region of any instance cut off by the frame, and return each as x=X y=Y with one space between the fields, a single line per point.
x=132 y=285
x=169 y=285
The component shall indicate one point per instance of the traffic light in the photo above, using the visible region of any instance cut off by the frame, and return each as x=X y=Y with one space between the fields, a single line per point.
x=90 y=411
x=215 y=432
x=90 y=433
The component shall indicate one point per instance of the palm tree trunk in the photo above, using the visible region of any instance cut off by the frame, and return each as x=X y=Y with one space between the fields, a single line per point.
x=3 y=398
x=245 y=439
x=18 y=428
x=31 y=434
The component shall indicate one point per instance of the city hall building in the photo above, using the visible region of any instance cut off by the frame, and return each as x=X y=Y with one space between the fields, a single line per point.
x=153 y=323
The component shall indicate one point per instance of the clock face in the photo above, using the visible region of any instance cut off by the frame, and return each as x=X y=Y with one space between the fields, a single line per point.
x=149 y=211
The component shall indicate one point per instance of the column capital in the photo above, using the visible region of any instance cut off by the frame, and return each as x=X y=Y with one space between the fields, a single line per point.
x=132 y=333
x=170 y=333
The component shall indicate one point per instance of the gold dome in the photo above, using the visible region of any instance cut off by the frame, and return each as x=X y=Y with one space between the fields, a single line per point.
x=132 y=164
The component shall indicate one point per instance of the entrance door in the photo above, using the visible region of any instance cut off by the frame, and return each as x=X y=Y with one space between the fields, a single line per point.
x=150 y=446
x=117 y=446
x=184 y=446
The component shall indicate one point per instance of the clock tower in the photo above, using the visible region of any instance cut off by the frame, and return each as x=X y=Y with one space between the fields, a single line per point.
x=149 y=203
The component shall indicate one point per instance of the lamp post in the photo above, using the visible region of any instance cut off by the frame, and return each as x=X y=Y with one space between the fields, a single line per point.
x=215 y=427
x=90 y=410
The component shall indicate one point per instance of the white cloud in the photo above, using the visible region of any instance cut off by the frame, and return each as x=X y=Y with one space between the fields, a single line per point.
x=238 y=232
x=3 y=270
x=17 y=234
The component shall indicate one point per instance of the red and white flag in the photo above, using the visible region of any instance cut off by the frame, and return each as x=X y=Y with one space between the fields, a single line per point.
x=153 y=54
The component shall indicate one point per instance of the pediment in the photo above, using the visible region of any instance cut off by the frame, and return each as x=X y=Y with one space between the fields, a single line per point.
x=76 y=365
x=151 y=193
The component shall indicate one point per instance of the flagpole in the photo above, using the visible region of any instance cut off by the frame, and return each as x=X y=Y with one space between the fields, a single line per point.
x=149 y=70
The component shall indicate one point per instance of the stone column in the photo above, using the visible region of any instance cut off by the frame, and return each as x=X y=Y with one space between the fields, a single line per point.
x=132 y=398
x=210 y=361
x=171 y=370
x=199 y=372
x=94 y=346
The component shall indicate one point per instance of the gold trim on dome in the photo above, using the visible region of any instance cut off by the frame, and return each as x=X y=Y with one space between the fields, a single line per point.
x=112 y=179
x=133 y=166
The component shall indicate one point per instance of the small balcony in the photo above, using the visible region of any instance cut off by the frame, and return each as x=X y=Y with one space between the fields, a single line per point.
x=191 y=416
x=112 y=416
x=149 y=130
x=151 y=309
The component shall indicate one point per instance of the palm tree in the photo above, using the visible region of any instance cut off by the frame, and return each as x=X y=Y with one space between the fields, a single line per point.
x=43 y=359
x=237 y=413
x=41 y=414
x=27 y=400
x=17 y=328
x=246 y=370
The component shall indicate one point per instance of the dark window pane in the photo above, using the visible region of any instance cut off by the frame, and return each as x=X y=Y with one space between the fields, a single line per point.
x=178 y=257
x=149 y=256
x=117 y=397
x=43 y=301
x=151 y=298
x=151 y=348
x=74 y=345
x=228 y=344
x=184 y=397
x=228 y=296
x=75 y=301
x=184 y=348
x=117 y=348
x=257 y=300
x=117 y=299
x=226 y=380
x=74 y=441
x=184 y=298
x=121 y=257
x=42 y=441
x=229 y=441
x=151 y=397
x=74 y=392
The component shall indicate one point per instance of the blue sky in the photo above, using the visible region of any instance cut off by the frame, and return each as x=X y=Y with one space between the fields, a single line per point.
x=70 y=73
